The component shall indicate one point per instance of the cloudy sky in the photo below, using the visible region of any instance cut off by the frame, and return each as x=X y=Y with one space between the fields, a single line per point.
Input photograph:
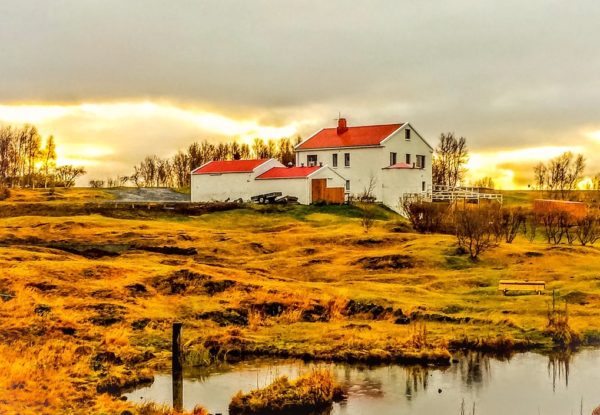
x=116 y=80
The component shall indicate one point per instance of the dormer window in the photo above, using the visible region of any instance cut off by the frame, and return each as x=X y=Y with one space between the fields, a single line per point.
x=407 y=134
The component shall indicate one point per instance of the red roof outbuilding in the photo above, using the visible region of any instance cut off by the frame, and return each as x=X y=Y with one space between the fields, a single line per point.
x=343 y=136
x=229 y=166
x=288 y=172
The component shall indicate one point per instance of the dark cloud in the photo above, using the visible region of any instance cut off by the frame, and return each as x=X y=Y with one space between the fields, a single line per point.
x=504 y=74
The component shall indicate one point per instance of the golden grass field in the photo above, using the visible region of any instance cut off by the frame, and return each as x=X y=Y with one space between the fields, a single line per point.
x=88 y=301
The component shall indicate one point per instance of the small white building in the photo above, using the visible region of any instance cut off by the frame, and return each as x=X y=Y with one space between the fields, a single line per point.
x=242 y=179
x=308 y=184
x=390 y=160
x=228 y=180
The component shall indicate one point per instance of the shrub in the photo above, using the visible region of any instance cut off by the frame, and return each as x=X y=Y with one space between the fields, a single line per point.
x=475 y=229
x=511 y=220
x=367 y=219
x=427 y=217
x=588 y=229
x=314 y=391
x=4 y=193
x=96 y=184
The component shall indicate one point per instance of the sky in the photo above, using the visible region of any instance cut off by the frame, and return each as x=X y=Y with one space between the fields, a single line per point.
x=114 y=81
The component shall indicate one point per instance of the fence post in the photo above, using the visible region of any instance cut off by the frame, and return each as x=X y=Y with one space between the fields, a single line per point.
x=177 y=368
x=176 y=347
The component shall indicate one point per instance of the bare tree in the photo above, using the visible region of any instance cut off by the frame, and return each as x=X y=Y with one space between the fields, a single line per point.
x=485 y=182
x=285 y=152
x=511 y=220
x=473 y=229
x=588 y=229
x=48 y=159
x=66 y=175
x=96 y=184
x=560 y=175
x=367 y=219
x=181 y=169
x=449 y=160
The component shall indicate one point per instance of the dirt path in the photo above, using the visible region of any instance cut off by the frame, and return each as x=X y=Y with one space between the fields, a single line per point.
x=149 y=195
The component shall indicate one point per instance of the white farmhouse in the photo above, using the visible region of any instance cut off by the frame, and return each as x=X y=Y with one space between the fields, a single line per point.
x=390 y=159
x=242 y=179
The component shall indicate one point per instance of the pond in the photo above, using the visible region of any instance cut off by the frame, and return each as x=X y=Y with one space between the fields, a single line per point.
x=527 y=383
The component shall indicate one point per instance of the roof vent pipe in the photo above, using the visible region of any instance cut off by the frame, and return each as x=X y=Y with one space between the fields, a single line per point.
x=290 y=164
x=320 y=164
x=301 y=164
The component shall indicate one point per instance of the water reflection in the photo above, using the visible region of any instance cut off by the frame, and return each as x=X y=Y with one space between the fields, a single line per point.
x=558 y=367
x=524 y=383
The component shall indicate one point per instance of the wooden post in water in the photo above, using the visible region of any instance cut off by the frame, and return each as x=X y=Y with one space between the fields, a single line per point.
x=177 y=368
x=176 y=347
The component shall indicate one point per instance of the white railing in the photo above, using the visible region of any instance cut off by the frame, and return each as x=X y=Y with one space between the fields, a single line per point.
x=450 y=194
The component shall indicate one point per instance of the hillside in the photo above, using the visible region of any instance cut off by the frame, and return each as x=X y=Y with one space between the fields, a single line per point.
x=88 y=300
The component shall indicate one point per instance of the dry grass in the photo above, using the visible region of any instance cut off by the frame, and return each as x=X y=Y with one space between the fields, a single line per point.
x=86 y=307
x=315 y=390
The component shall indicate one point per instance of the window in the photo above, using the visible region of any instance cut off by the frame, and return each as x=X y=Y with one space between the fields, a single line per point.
x=407 y=134
x=334 y=160
x=393 y=158
x=408 y=159
x=423 y=186
x=348 y=185
x=347 y=159
x=311 y=160
x=421 y=162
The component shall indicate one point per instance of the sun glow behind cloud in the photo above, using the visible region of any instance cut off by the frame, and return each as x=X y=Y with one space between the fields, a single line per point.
x=109 y=137
x=510 y=169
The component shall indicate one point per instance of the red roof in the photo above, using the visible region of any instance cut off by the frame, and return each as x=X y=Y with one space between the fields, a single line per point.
x=229 y=166
x=288 y=172
x=400 y=166
x=370 y=135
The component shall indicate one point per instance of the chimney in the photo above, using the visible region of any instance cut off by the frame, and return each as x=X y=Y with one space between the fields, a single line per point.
x=341 y=128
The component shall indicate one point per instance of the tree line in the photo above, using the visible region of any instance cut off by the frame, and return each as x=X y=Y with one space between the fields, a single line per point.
x=557 y=178
x=155 y=171
x=483 y=226
x=26 y=160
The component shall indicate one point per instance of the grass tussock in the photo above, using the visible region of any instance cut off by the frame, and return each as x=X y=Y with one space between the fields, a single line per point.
x=316 y=390
x=150 y=408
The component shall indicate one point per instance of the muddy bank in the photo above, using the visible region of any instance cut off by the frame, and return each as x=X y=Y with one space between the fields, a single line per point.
x=118 y=209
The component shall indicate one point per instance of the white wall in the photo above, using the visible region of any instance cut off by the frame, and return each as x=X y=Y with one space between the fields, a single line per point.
x=220 y=187
x=395 y=182
x=300 y=187
x=369 y=162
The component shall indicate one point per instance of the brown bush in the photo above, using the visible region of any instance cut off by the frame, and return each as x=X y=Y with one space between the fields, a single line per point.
x=4 y=193
x=428 y=217
x=475 y=228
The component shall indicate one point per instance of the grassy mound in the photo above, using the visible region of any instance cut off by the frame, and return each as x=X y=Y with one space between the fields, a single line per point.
x=313 y=391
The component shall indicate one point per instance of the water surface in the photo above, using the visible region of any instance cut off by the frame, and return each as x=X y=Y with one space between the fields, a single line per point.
x=527 y=383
